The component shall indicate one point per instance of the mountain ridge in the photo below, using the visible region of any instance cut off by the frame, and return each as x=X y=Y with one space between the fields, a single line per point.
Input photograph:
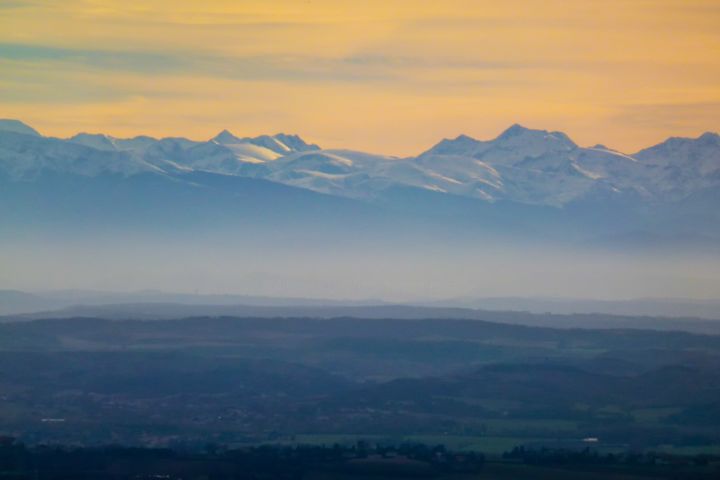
x=657 y=189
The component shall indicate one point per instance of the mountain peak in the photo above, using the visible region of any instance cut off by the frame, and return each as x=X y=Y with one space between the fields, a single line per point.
x=90 y=135
x=281 y=143
x=98 y=141
x=709 y=136
x=295 y=142
x=514 y=130
x=225 y=137
x=454 y=146
x=16 y=126
x=517 y=130
x=464 y=138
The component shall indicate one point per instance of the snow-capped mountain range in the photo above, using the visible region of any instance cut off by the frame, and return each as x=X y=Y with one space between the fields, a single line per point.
x=522 y=166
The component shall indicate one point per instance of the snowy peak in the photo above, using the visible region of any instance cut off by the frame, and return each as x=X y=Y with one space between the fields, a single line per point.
x=98 y=141
x=517 y=133
x=225 y=138
x=16 y=126
x=461 y=145
x=513 y=131
x=683 y=166
x=24 y=157
x=280 y=143
x=530 y=142
x=229 y=154
x=710 y=138
x=295 y=143
x=680 y=150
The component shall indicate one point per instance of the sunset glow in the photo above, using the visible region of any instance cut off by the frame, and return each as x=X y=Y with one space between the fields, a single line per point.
x=386 y=76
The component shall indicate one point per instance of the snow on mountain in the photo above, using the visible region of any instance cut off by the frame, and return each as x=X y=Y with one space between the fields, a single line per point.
x=232 y=155
x=463 y=166
x=225 y=153
x=97 y=141
x=521 y=165
x=101 y=141
x=514 y=145
x=462 y=145
x=701 y=154
x=295 y=143
x=457 y=174
x=679 y=167
x=337 y=172
x=528 y=166
x=24 y=156
x=615 y=168
x=280 y=144
x=251 y=153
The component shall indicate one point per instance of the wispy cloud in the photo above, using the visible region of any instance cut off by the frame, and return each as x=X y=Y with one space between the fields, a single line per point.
x=351 y=68
x=12 y=4
x=675 y=117
x=354 y=67
x=105 y=59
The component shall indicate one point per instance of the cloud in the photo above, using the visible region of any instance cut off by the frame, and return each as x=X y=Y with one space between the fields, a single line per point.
x=678 y=117
x=366 y=66
x=13 y=4
x=104 y=59
x=249 y=67
x=351 y=68
x=424 y=62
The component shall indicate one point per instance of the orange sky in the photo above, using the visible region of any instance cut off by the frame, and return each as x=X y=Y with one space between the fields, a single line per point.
x=390 y=76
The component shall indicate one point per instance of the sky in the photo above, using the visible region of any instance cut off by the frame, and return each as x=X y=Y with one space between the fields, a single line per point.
x=386 y=76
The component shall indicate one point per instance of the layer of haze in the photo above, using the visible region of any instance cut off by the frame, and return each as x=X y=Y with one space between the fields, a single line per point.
x=390 y=76
x=410 y=270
